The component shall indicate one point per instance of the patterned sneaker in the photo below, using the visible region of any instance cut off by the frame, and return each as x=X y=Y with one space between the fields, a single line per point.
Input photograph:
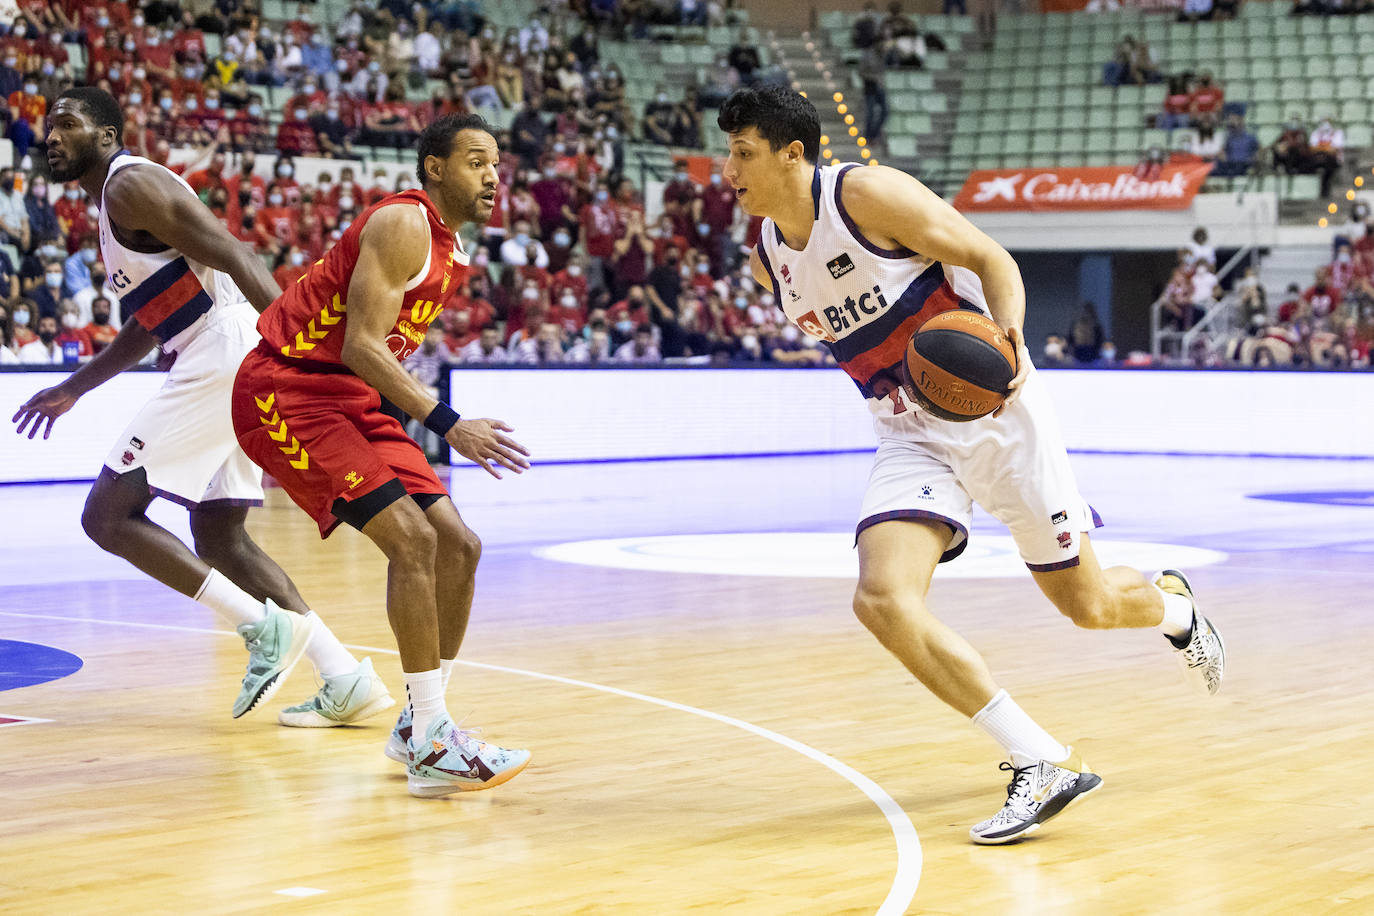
x=400 y=737
x=1202 y=654
x=342 y=700
x=1035 y=794
x=451 y=760
x=275 y=644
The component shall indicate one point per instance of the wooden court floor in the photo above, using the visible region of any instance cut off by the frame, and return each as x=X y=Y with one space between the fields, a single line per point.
x=706 y=743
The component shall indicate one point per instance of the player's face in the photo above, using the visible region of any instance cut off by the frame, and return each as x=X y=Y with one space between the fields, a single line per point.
x=470 y=178
x=73 y=141
x=753 y=170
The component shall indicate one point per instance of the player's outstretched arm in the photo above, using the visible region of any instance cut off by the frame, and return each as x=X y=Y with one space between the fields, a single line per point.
x=391 y=251
x=891 y=208
x=130 y=345
x=152 y=201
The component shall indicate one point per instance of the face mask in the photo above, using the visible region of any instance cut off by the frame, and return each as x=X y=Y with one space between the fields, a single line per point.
x=40 y=191
x=300 y=114
x=53 y=280
x=790 y=334
x=1054 y=350
x=70 y=321
x=741 y=302
x=374 y=67
x=574 y=270
x=46 y=336
x=569 y=301
x=1109 y=353
x=625 y=327
x=612 y=133
x=522 y=239
x=602 y=196
x=681 y=176
x=140 y=73
x=249 y=222
x=88 y=256
x=93 y=212
x=31 y=88
x=135 y=98
x=100 y=318
x=21 y=316
x=549 y=173
x=662 y=98
x=297 y=258
x=562 y=239
x=192 y=72
x=766 y=299
x=749 y=341
x=530 y=295
x=103 y=22
x=191 y=105
x=332 y=114
x=138 y=22
x=73 y=195
x=346 y=202
x=715 y=179
x=165 y=104
x=274 y=199
x=653 y=233
x=343 y=226
x=1343 y=257
x=49 y=69
x=284 y=171
x=129 y=47
x=481 y=261
x=703 y=268
x=255 y=111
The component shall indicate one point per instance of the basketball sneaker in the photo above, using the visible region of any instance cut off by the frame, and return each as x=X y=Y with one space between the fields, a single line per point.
x=343 y=699
x=1202 y=654
x=450 y=760
x=1035 y=794
x=275 y=644
x=396 y=745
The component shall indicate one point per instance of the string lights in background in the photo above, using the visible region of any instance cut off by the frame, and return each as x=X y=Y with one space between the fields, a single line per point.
x=1333 y=208
x=836 y=97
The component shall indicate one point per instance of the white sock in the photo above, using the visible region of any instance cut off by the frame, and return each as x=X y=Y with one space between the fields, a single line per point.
x=1178 y=615
x=426 y=700
x=1025 y=742
x=327 y=654
x=446 y=666
x=229 y=601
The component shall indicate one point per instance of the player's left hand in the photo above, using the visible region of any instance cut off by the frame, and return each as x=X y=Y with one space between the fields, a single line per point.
x=49 y=404
x=1023 y=363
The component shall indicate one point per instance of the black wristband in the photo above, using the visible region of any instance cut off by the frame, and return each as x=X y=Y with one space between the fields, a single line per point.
x=441 y=419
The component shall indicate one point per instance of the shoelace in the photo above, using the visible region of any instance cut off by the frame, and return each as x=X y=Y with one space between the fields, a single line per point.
x=1019 y=787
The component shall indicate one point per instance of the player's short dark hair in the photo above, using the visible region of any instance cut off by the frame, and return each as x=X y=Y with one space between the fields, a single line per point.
x=437 y=138
x=99 y=106
x=779 y=114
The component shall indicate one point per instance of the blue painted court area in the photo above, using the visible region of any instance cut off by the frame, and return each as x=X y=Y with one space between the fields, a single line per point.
x=23 y=664
x=1322 y=497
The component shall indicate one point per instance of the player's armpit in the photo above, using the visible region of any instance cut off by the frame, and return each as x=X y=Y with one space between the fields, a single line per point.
x=391 y=251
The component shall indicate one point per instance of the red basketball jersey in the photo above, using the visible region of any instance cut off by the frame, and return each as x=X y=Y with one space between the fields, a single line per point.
x=306 y=324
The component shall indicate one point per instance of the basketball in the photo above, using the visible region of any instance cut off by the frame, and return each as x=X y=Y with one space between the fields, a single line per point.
x=958 y=365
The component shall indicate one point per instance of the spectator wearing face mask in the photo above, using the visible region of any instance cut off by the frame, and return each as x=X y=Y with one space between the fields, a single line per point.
x=14 y=215
x=291 y=268
x=1326 y=148
x=515 y=250
x=559 y=249
x=660 y=116
x=28 y=108
x=572 y=279
x=22 y=320
x=627 y=314
x=9 y=353
x=48 y=295
x=663 y=289
x=295 y=136
x=43 y=224
x=595 y=349
x=554 y=195
x=279 y=219
x=682 y=200
x=102 y=330
x=99 y=288
x=71 y=332
x=640 y=350
x=11 y=80
x=248 y=128
x=333 y=137
x=45 y=350
x=285 y=170
x=76 y=270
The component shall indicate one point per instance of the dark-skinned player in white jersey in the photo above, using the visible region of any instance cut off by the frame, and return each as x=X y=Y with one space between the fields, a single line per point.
x=860 y=257
x=186 y=283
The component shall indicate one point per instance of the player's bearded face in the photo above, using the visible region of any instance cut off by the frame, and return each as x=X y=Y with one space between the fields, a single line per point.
x=71 y=142
x=470 y=173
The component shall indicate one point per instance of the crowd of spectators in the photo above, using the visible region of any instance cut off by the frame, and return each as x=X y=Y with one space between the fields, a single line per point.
x=569 y=269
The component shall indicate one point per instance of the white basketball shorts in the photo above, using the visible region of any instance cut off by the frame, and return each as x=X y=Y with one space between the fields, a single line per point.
x=1015 y=466
x=184 y=438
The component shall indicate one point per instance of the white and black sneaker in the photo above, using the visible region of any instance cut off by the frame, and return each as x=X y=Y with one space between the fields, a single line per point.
x=1035 y=794
x=1202 y=654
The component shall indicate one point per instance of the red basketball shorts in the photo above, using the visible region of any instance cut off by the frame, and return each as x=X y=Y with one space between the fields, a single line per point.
x=325 y=440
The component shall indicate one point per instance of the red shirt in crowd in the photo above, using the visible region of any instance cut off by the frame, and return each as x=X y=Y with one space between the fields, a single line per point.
x=600 y=228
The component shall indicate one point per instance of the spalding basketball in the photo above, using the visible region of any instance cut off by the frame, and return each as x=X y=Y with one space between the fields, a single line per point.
x=959 y=364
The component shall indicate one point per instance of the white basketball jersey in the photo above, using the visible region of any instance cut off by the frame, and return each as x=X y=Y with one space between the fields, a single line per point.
x=165 y=291
x=863 y=301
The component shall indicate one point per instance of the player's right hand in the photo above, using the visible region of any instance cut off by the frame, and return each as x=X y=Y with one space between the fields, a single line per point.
x=484 y=444
x=50 y=403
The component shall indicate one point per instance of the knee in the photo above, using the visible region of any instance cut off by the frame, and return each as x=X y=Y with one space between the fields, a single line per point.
x=417 y=545
x=877 y=606
x=99 y=527
x=1089 y=611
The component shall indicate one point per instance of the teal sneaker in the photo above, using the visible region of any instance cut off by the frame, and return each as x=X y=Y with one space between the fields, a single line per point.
x=400 y=736
x=342 y=700
x=450 y=760
x=275 y=644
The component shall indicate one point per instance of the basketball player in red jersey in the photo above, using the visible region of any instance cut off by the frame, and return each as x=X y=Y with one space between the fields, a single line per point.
x=860 y=257
x=185 y=283
x=306 y=408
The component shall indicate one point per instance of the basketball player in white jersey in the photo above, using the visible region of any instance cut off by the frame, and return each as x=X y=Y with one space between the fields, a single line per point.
x=184 y=282
x=860 y=257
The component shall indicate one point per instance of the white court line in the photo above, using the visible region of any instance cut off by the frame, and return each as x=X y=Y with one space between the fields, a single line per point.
x=909 y=857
